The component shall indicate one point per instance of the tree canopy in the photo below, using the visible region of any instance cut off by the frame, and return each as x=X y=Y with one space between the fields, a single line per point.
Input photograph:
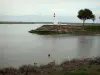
x=85 y=14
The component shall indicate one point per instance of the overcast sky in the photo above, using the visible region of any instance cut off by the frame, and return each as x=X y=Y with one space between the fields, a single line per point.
x=46 y=8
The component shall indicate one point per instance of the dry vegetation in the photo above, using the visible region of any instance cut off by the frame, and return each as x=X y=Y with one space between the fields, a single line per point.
x=86 y=66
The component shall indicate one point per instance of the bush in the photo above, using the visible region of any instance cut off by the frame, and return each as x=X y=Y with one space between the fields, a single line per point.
x=27 y=68
x=9 y=71
x=78 y=73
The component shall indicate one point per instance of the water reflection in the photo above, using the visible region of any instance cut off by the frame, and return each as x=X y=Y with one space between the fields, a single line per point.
x=95 y=51
x=98 y=46
x=85 y=45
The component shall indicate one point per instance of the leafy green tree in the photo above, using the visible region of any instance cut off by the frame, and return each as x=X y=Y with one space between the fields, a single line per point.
x=85 y=15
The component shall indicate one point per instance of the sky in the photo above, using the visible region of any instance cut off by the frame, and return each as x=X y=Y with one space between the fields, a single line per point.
x=42 y=10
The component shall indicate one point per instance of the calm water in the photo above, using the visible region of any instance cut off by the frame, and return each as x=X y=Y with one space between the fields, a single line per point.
x=18 y=47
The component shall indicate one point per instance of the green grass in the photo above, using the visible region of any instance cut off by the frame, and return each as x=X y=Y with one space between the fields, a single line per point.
x=80 y=71
x=92 y=28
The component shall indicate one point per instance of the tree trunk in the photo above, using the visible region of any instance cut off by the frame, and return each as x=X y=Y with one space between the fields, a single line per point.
x=93 y=22
x=83 y=24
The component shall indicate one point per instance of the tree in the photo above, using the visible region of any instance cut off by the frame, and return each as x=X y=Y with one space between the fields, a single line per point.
x=93 y=18
x=85 y=15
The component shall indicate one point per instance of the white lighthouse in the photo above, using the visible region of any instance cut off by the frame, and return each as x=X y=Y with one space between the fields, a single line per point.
x=54 y=19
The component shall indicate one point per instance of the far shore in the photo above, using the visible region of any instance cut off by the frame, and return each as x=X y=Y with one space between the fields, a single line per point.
x=23 y=22
x=34 y=22
x=16 y=22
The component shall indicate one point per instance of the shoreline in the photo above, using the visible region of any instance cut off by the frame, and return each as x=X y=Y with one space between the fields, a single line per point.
x=90 y=66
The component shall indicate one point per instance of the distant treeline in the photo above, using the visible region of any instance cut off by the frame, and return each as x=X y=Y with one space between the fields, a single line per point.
x=26 y=22
x=5 y=22
x=16 y=22
x=79 y=23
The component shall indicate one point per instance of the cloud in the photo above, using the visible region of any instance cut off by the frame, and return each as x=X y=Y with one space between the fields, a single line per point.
x=46 y=7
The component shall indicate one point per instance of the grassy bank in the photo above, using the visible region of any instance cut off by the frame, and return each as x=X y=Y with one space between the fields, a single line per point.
x=69 y=29
x=86 y=66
